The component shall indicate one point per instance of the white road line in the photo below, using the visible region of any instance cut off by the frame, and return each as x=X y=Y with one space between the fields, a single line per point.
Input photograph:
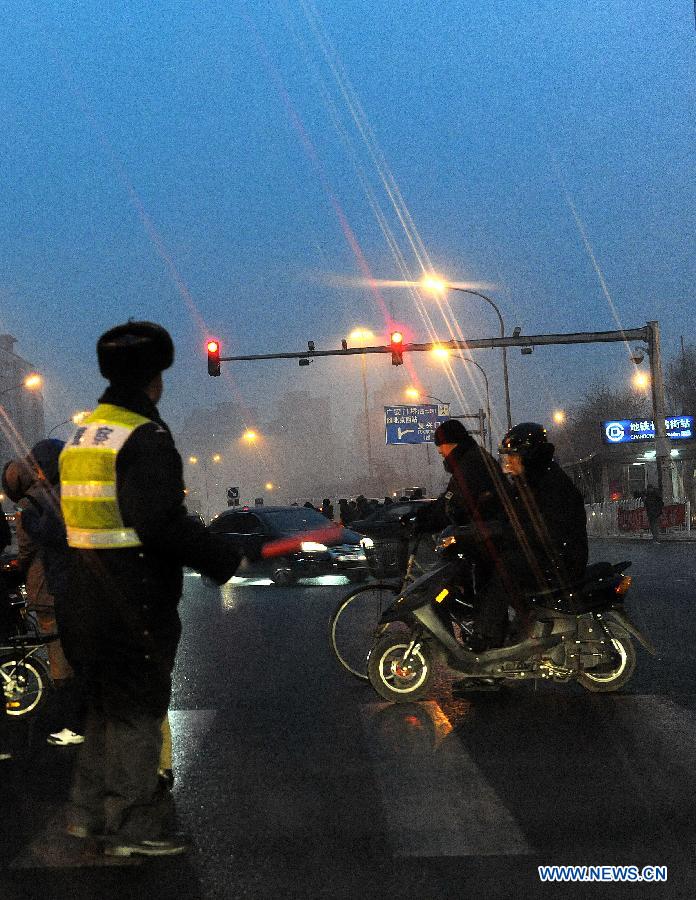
x=436 y=800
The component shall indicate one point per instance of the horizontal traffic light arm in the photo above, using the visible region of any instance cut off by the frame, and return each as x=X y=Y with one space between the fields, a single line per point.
x=530 y=340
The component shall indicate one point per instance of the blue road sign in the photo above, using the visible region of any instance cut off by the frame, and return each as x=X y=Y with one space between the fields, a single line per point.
x=414 y=424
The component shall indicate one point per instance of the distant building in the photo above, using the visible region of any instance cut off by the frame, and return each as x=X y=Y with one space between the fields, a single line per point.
x=22 y=413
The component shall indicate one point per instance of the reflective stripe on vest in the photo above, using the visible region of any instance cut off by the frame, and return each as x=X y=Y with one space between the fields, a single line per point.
x=88 y=480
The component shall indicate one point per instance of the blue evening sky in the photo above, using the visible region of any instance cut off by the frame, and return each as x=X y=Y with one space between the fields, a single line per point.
x=180 y=162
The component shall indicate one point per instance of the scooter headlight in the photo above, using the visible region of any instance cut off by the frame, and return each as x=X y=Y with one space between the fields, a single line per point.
x=446 y=542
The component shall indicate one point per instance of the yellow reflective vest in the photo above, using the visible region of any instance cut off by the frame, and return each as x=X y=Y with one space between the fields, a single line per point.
x=88 y=480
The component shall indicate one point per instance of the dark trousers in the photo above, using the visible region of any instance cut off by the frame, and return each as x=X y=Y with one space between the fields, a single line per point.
x=115 y=788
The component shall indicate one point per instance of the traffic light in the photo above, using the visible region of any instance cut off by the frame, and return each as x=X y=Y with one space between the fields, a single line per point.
x=396 y=342
x=213 y=348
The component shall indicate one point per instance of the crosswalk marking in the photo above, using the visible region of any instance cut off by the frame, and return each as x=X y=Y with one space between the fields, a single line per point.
x=436 y=800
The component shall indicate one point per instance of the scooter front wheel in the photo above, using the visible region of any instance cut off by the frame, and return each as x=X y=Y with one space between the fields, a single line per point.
x=398 y=671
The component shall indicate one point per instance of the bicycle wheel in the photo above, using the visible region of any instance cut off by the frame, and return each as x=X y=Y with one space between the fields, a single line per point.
x=24 y=683
x=354 y=625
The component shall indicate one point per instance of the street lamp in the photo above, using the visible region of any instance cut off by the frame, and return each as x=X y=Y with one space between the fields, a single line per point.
x=269 y=485
x=363 y=336
x=250 y=436
x=435 y=285
x=32 y=382
x=641 y=380
x=444 y=353
x=75 y=418
x=559 y=417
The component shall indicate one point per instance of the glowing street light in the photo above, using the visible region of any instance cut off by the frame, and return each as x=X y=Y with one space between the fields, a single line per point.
x=440 y=352
x=32 y=382
x=641 y=380
x=412 y=393
x=269 y=485
x=193 y=460
x=250 y=436
x=433 y=284
x=216 y=458
x=361 y=335
x=76 y=419
x=559 y=417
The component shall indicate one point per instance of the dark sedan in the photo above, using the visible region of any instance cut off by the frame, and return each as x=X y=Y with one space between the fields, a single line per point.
x=264 y=530
x=387 y=539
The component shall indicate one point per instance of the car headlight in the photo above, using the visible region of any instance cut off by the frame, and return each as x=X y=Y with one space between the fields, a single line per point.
x=312 y=547
x=366 y=543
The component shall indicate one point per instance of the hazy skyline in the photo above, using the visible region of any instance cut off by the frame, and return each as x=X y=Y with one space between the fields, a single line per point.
x=202 y=166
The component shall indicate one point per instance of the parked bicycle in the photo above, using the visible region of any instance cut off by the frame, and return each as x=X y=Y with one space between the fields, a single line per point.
x=24 y=674
x=354 y=626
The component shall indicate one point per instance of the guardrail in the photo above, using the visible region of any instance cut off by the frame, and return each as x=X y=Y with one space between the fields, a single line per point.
x=621 y=518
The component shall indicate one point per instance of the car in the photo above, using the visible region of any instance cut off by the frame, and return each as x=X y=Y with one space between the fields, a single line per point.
x=385 y=540
x=253 y=528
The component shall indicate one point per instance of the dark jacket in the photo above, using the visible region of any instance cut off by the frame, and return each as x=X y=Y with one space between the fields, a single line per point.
x=653 y=503
x=548 y=526
x=474 y=494
x=123 y=603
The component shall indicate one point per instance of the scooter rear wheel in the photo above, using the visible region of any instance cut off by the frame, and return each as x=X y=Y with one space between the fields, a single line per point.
x=395 y=677
x=605 y=682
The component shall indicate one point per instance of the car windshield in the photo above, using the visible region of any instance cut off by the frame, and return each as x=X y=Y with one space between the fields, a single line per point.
x=292 y=521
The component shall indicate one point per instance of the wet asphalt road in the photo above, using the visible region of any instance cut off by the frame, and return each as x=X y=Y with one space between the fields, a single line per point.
x=296 y=781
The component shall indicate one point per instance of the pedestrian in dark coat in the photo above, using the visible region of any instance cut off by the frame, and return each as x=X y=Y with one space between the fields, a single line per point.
x=130 y=536
x=654 y=505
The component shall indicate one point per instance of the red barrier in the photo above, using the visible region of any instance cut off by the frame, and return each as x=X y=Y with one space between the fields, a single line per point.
x=672 y=516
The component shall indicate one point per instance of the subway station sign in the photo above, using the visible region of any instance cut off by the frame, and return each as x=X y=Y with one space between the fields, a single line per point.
x=626 y=431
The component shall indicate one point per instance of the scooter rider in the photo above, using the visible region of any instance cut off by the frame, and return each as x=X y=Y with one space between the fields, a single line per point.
x=476 y=495
x=546 y=545
x=549 y=508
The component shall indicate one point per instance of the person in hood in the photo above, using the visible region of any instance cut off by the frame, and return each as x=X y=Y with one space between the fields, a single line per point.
x=476 y=495
x=122 y=497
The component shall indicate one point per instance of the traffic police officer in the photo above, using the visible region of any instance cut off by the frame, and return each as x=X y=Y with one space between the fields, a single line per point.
x=129 y=535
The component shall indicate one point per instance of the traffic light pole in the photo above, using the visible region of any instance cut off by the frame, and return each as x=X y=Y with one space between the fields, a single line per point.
x=650 y=334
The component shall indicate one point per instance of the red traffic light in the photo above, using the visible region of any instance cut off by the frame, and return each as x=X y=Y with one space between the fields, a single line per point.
x=396 y=342
x=213 y=348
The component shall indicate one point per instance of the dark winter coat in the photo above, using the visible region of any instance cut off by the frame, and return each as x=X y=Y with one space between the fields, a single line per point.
x=475 y=494
x=653 y=504
x=548 y=526
x=123 y=603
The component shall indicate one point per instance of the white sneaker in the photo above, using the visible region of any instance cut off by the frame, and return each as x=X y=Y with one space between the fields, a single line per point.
x=64 y=737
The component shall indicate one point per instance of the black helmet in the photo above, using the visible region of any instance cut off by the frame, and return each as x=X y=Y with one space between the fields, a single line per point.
x=132 y=354
x=530 y=441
